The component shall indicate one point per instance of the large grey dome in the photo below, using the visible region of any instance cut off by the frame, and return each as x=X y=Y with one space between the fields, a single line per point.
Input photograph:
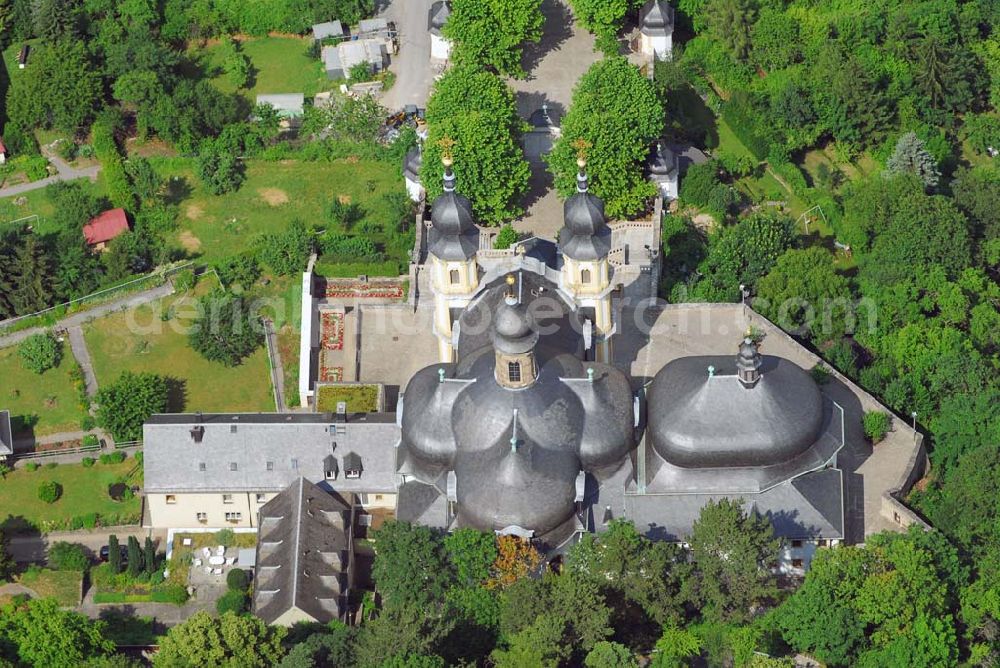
x=699 y=419
x=585 y=234
x=453 y=234
x=562 y=424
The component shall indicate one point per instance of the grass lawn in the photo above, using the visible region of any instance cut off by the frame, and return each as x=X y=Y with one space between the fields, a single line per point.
x=47 y=401
x=280 y=65
x=64 y=586
x=273 y=195
x=84 y=491
x=138 y=340
x=359 y=398
x=38 y=203
x=286 y=291
x=729 y=142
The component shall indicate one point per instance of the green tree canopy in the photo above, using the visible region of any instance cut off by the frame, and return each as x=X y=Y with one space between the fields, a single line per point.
x=805 y=295
x=230 y=641
x=476 y=110
x=228 y=329
x=616 y=111
x=733 y=553
x=604 y=18
x=410 y=569
x=126 y=404
x=40 y=352
x=42 y=634
x=492 y=33
x=61 y=89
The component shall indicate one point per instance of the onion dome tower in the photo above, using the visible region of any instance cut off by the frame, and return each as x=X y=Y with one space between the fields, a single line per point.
x=453 y=241
x=585 y=241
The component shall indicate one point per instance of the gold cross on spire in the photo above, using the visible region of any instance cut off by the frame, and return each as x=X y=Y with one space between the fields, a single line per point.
x=447 y=144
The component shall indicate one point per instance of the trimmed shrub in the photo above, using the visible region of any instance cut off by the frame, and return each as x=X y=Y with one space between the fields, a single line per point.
x=820 y=374
x=90 y=440
x=232 y=601
x=226 y=537
x=65 y=556
x=113 y=458
x=875 y=424
x=31 y=466
x=238 y=579
x=171 y=593
x=49 y=491
x=88 y=462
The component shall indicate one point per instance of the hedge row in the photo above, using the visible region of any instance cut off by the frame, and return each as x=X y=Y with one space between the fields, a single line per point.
x=119 y=189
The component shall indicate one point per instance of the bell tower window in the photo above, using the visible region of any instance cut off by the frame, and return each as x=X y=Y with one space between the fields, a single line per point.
x=454 y=277
x=585 y=275
x=514 y=372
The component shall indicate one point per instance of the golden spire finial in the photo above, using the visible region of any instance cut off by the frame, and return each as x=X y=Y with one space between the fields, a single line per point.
x=582 y=146
x=447 y=156
x=510 y=279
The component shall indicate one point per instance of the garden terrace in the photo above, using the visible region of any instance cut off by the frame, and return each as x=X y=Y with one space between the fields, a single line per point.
x=359 y=398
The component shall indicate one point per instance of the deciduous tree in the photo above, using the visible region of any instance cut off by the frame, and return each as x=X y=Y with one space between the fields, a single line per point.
x=42 y=634
x=733 y=554
x=492 y=33
x=40 y=352
x=126 y=404
x=231 y=641
x=227 y=330
x=604 y=18
x=615 y=111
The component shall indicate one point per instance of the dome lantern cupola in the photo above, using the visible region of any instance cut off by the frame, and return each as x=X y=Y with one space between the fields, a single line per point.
x=748 y=363
x=514 y=340
x=453 y=234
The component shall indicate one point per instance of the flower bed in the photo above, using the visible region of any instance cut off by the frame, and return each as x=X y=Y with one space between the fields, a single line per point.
x=364 y=290
x=331 y=330
x=61 y=445
x=331 y=374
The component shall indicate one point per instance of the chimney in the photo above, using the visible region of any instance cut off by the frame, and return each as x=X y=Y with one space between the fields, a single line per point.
x=197 y=433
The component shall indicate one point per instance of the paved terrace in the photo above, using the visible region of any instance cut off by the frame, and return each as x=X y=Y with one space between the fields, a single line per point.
x=654 y=336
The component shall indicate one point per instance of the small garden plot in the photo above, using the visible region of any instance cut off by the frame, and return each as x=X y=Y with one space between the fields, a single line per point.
x=64 y=586
x=359 y=398
x=39 y=404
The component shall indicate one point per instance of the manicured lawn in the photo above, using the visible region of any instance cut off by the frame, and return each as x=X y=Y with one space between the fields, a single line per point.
x=47 y=401
x=273 y=195
x=729 y=142
x=359 y=398
x=64 y=586
x=280 y=65
x=84 y=491
x=138 y=340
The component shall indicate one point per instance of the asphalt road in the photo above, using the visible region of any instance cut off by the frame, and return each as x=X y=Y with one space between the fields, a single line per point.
x=412 y=63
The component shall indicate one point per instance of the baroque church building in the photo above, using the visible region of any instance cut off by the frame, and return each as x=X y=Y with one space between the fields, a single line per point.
x=525 y=427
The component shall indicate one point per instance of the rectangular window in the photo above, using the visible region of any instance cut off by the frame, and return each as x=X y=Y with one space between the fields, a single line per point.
x=202 y=517
x=378 y=497
x=227 y=498
x=260 y=498
x=233 y=466
x=270 y=466
x=796 y=543
x=796 y=563
x=821 y=542
x=171 y=498
x=234 y=517
x=514 y=372
x=454 y=277
x=330 y=475
x=201 y=466
x=295 y=464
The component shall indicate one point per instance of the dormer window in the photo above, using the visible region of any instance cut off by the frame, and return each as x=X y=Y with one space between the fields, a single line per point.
x=352 y=465
x=330 y=468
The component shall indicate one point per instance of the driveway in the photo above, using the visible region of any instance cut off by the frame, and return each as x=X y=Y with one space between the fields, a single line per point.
x=34 y=548
x=66 y=172
x=412 y=63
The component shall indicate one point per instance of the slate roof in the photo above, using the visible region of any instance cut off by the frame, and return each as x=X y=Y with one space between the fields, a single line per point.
x=697 y=419
x=662 y=161
x=423 y=504
x=105 y=226
x=657 y=18
x=269 y=451
x=6 y=434
x=304 y=549
x=585 y=234
x=437 y=16
x=516 y=454
x=412 y=162
x=453 y=234
x=807 y=507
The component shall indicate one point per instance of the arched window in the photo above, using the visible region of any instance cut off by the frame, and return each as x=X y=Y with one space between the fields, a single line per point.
x=454 y=276
x=514 y=372
x=585 y=275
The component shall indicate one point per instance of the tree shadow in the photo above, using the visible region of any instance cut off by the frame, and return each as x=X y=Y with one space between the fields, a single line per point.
x=531 y=103
x=176 y=395
x=23 y=426
x=177 y=190
x=557 y=28
x=18 y=525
